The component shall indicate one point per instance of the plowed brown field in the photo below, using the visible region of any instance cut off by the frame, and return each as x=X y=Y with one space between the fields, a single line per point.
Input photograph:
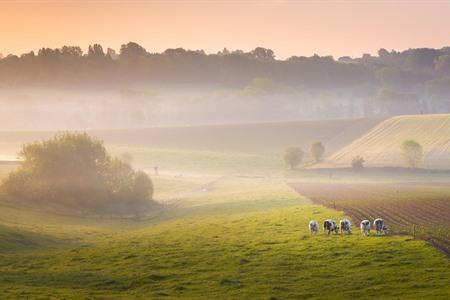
x=401 y=205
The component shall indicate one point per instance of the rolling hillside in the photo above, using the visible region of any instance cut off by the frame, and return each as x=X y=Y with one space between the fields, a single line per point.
x=229 y=228
x=380 y=146
x=257 y=138
x=230 y=238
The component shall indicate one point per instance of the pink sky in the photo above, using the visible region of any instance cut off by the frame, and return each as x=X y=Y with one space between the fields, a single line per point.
x=288 y=27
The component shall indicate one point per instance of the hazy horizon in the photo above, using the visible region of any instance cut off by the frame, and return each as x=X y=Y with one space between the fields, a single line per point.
x=289 y=28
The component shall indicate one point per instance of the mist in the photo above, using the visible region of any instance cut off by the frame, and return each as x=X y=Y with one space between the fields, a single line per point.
x=141 y=173
x=64 y=88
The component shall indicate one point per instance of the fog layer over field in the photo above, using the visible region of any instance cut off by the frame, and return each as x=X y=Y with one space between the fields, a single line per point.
x=173 y=105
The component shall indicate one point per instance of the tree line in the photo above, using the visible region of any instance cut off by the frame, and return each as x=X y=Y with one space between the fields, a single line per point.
x=391 y=82
x=69 y=65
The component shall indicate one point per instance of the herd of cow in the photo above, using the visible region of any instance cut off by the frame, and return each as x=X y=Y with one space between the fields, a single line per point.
x=345 y=226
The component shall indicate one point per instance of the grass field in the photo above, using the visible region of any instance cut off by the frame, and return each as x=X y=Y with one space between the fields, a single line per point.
x=188 y=162
x=244 y=251
x=381 y=145
x=402 y=205
x=229 y=227
x=217 y=236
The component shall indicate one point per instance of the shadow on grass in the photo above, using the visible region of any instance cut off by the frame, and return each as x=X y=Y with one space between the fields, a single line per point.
x=15 y=239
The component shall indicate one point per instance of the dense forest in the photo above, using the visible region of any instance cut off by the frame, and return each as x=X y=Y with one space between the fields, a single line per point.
x=256 y=83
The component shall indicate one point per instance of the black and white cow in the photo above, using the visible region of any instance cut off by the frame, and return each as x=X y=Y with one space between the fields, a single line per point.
x=330 y=226
x=346 y=226
x=313 y=227
x=379 y=226
x=365 y=227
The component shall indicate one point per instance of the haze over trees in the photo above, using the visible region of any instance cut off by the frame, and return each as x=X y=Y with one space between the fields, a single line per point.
x=139 y=88
x=398 y=72
x=73 y=172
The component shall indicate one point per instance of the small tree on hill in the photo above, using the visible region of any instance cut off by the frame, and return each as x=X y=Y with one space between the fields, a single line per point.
x=317 y=150
x=358 y=163
x=293 y=156
x=412 y=153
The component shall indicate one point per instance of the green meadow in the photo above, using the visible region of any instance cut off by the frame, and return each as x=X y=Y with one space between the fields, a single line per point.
x=229 y=227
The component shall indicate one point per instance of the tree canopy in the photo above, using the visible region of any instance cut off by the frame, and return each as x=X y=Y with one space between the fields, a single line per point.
x=232 y=67
x=293 y=156
x=73 y=171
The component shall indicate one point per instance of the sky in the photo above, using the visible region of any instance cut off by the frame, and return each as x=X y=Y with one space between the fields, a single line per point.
x=288 y=27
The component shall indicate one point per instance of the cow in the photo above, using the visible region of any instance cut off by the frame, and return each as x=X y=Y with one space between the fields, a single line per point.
x=329 y=226
x=346 y=226
x=379 y=226
x=365 y=227
x=313 y=227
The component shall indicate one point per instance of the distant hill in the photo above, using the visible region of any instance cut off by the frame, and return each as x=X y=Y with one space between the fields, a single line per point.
x=253 y=138
x=256 y=138
x=380 y=146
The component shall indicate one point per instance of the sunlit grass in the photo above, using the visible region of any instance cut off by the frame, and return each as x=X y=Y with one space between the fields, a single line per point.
x=245 y=255
x=229 y=228
x=186 y=162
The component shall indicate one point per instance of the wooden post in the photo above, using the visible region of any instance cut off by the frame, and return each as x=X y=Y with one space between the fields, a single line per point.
x=414 y=231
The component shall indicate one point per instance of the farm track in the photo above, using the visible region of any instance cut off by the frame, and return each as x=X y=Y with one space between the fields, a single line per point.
x=403 y=205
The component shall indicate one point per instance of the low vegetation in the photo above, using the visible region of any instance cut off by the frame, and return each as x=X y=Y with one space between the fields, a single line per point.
x=73 y=172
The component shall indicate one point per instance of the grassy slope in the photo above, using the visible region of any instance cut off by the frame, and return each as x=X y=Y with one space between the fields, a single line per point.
x=381 y=145
x=240 y=253
x=182 y=162
x=237 y=232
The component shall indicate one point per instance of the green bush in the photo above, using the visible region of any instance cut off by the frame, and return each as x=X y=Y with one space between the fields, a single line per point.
x=412 y=153
x=74 y=171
